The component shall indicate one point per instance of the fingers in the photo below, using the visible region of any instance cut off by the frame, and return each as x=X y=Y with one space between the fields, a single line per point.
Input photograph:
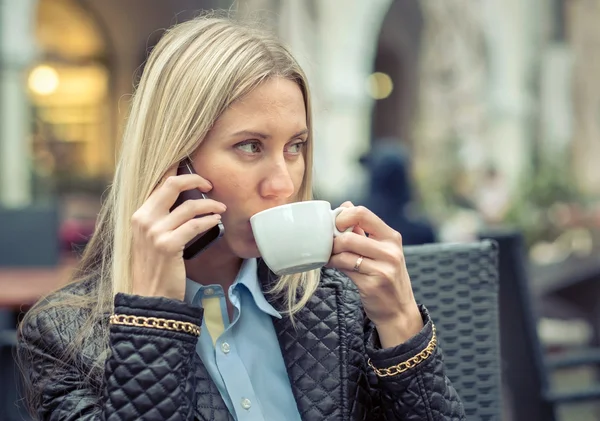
x=157 y=207
x=165 y=194
x=171 y=242
x=356 y=229
x=361 y=217
x=365 y=246
x=186 y=232
x=188 y=210
x=346 y=262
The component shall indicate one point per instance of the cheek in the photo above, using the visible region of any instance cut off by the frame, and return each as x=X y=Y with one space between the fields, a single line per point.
x=229 y=191
x=238 y=194
x=227 y=182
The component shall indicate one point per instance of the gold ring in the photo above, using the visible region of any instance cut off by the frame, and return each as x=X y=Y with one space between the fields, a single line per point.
x=357 y=264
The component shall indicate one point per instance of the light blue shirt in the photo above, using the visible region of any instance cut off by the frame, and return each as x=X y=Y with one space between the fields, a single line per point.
x=245 y=361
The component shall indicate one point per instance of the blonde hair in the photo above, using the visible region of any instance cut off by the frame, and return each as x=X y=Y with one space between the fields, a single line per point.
x=195 y=72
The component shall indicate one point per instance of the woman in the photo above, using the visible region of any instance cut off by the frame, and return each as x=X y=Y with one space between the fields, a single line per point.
x=144 y=335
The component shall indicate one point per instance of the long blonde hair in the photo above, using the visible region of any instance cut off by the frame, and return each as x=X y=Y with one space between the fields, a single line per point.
x=195 y=72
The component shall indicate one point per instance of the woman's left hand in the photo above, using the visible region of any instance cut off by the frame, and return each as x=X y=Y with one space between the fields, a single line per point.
x=381 y=277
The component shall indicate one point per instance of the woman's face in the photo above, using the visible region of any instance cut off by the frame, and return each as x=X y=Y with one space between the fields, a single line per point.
x=254 y=158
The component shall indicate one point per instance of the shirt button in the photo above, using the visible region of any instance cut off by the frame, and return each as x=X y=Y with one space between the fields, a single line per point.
x=246 y=404
x=209 y=291
x=225 y=348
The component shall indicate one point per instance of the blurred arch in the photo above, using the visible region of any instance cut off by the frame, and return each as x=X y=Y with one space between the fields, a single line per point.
x=397 y=54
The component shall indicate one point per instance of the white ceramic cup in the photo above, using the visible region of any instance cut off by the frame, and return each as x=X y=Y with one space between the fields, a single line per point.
x=296 y=237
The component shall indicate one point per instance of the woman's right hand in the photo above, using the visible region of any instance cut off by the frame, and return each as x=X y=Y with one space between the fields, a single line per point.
x=159 y=236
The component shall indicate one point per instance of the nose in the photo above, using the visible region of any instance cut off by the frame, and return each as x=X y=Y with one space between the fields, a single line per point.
x=277 y=183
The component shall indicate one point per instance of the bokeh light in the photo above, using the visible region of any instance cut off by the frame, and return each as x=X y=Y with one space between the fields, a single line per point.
x=379 y=85
x=43 y=80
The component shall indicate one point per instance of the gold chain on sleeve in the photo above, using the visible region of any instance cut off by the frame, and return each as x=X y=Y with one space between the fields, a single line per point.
x=408 y=364
x=155 y=322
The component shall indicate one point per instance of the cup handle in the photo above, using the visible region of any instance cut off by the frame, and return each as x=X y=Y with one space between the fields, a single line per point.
x=334 y=215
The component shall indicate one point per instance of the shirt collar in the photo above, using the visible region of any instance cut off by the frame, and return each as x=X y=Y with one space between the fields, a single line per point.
x=191 y=289
x=248 y=277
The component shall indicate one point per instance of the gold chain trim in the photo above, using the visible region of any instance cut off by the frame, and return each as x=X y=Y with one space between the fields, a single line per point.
x=155 y=322
x=408 y=364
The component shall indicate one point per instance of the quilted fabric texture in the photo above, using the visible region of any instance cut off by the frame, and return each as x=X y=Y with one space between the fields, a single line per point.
x=459 y=286
x=146 y=377
x=326 y=355
x=152 y=374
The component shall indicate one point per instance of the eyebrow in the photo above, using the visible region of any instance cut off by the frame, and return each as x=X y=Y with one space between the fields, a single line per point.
x=265 y=136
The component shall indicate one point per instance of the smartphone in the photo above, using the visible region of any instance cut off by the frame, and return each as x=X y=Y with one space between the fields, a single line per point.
x=202 y=241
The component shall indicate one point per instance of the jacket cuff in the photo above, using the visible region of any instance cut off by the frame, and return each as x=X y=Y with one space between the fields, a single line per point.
x=162 y=307
x=383 y=358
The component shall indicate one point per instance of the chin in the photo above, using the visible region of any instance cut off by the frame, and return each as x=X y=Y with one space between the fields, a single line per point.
x=245 y=249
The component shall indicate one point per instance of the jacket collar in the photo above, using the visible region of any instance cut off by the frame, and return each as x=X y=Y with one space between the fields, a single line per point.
x=297 y=342
x=318 y=321
x=266 y=276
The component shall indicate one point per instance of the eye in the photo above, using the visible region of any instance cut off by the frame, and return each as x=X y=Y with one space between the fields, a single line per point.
x=250 y=146
x=296 y=147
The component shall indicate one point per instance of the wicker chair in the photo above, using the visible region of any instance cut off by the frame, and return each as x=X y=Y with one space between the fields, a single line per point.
x=459 y=285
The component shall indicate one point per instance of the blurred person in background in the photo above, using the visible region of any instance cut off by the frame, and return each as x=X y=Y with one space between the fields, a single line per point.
x=390 y=192
x=142 y=334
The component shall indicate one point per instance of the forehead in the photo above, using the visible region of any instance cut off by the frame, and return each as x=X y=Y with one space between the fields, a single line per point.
x=276 y=101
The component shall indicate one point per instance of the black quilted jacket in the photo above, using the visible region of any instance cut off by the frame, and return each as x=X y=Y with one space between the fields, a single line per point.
x=153 y=374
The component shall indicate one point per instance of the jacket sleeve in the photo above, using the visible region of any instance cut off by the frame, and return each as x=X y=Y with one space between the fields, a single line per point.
x=419 y=393
x=147 y=373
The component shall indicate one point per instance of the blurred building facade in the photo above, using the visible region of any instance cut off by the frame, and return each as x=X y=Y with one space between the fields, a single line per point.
x=350 y=49
x=67 y=67
x=465 y=85
x=503 y=84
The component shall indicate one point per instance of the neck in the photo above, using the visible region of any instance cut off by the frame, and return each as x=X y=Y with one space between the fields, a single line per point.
x=217 y=265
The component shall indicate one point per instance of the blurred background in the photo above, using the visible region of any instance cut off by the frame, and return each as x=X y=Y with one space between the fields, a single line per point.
x=451 y=119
